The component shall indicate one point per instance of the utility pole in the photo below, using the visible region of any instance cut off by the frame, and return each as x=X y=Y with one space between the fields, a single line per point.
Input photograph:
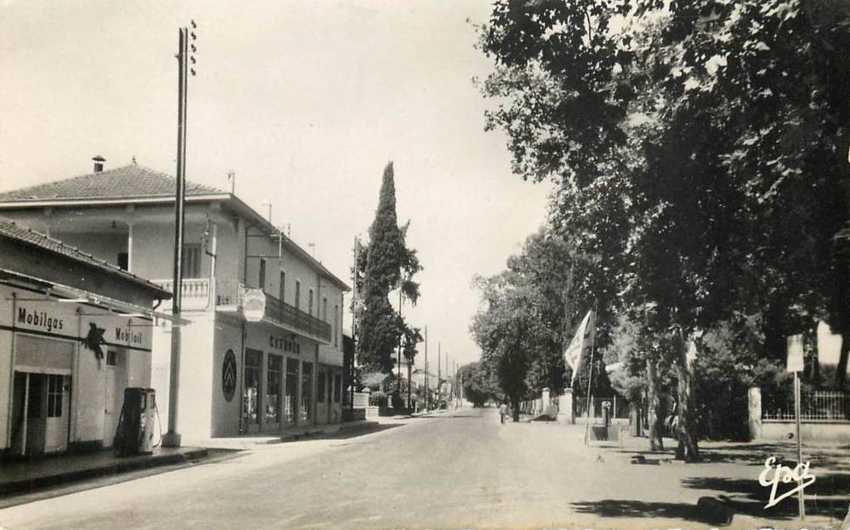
x=426 y=368
x=398 y=379
x=439 y=375
x=355 y=299
x=172 y=437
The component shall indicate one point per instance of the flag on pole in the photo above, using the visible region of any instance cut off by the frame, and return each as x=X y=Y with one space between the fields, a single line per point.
x=581 y=342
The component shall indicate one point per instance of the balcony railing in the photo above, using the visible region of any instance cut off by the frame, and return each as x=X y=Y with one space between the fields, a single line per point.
x=196 y=296
x=195 y=292
x=288 y=315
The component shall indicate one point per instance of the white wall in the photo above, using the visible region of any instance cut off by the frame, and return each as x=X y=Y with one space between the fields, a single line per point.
x=5 y=377
x=225 y=414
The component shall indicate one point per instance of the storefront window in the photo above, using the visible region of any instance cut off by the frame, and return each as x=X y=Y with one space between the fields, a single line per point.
x=320 y=390
x=251 y=398
x=306 y=391
x=273 y=388
x=291 y=397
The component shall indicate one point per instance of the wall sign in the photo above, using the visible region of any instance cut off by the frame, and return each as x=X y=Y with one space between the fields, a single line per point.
x=228 y=375
x=253 y=304
x=120 y=330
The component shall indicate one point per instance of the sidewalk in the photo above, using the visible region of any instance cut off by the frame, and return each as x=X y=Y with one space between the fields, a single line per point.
x=267 y=441
x=725 y=484
x=26 y=476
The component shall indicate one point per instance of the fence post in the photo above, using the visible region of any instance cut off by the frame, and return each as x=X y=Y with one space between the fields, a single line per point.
x=566 y=409
x=754 y=409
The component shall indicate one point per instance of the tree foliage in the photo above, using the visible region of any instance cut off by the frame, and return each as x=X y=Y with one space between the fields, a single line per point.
x=698 y=148
x=385 y=264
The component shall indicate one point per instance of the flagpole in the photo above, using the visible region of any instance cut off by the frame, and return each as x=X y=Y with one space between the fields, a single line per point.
x=590 y=375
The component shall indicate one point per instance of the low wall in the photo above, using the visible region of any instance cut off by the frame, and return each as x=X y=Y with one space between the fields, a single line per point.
x=809 y=431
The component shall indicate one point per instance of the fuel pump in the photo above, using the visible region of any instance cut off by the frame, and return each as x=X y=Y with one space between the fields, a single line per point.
x=135 y=433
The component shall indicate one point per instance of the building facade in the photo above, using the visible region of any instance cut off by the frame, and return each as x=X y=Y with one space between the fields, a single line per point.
x=74 y=333
x=263 y=350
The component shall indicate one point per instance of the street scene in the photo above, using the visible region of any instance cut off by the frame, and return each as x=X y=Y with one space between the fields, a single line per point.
x=498 y=264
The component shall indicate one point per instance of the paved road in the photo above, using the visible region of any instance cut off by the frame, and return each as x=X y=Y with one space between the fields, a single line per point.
x=459 y=471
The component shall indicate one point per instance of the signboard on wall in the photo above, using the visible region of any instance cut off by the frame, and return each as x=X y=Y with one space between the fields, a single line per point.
x=253 y=304
x=48 y=316
x=121 y=331
x=228 y=375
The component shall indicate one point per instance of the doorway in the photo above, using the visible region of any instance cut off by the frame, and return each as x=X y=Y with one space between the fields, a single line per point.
x=115 y=381
x=40 y=413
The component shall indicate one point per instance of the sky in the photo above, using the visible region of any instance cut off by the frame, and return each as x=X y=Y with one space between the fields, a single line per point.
x=305 y=101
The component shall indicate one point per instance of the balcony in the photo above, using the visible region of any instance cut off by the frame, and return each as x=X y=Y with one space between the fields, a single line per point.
x=283 y=314
x=195 y=293
x=231 y=296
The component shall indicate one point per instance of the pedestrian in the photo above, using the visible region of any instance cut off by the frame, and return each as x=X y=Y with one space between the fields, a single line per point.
x=503 y=410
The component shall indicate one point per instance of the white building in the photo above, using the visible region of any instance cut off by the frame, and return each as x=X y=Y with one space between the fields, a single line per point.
x=263 y=351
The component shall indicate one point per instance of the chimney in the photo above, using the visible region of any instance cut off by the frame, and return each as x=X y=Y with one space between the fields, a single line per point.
x=98 y=163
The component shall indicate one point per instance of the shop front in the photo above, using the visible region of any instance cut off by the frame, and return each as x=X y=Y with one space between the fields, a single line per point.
x=67 y=364
x=278 y=380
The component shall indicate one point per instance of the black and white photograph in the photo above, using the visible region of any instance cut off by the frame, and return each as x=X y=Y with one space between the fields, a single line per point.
x=425 y=264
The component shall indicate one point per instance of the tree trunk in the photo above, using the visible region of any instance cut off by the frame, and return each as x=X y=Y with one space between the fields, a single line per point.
x=409 y=382
x=655 y=407
x=515 y=404
x=687 y=449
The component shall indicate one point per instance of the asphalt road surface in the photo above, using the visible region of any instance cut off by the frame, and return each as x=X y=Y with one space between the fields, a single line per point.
x=463 y=470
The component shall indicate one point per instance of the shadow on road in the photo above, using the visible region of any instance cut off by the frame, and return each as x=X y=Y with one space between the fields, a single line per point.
x=827 y=496
x=638 y=509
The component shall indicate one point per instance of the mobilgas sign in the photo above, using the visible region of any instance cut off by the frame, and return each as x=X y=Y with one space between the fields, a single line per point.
x=62 y=320
x=53 y=318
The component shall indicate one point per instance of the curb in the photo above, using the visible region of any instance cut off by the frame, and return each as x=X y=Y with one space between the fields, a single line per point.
x=32 y=484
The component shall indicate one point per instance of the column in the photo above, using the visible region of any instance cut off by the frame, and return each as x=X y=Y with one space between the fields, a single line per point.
x=754 y=409
x=566 y=410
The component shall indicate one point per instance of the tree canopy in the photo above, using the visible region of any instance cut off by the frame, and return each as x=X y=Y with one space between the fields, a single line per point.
x=385 y=264
x=699 y=153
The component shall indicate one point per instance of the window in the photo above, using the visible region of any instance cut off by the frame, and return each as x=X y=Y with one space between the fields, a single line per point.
x=310 y=303
x=320 y=390
x=192 y=261
x=123 y=260
x=273 y=388
x=306 y=391
x=291 y=397
x=261 y=281
x=297 y=294
x=251 y=397
x=337 y=388
x=333 y=327
x=54 y=395
x=111 y=358
x=325 y=309
x=281 y=288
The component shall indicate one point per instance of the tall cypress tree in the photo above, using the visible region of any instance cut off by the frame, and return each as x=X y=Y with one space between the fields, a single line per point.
x=380 y=326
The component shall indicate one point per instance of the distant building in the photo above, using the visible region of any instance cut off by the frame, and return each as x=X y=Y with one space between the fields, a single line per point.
x=74 y=333
x=263 y=352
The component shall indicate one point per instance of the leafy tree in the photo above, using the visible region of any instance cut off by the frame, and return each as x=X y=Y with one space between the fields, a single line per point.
x=479 y=385
x=384 y=264
x=690 y=158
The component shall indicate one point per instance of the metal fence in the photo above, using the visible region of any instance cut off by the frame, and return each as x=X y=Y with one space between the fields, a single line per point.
x=618 y=406
x=819 y=405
